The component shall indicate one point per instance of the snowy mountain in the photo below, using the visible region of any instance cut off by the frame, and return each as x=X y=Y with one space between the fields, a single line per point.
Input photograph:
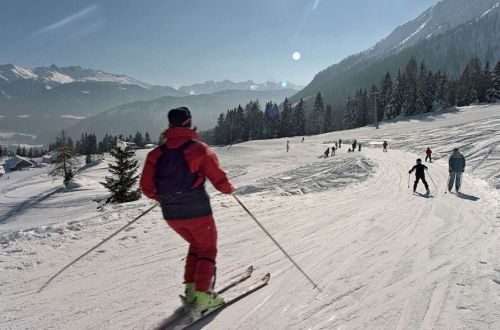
x=446 y=36
x=218 y=86
x=442 y=17
x=54 y=98
x=54 y=75
x=384 y=258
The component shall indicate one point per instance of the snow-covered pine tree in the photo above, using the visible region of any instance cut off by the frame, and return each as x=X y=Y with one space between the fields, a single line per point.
x=299 y=119
x=123 y=177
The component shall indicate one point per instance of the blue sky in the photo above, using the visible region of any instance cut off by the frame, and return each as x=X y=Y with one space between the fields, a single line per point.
x=187 y=41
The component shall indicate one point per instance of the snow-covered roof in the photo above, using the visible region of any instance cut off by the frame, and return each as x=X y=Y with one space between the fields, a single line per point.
x=16 y=160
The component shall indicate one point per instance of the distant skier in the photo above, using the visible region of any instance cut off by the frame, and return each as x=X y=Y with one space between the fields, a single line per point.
x=174 y=175
x=456 y=168
x=359 y=147
x=385 y=144
x=340 y=143
x=287 y=145
x=333 y=151
x=354 y=145
x=336 y=144
x=302 y=139
x=419 y=175
x=349 y=150
x=428 y=154
x=327 y=151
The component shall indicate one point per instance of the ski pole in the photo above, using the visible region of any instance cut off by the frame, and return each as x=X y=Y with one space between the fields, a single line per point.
x=95 y=247
x=431 y=179
x=315 y=286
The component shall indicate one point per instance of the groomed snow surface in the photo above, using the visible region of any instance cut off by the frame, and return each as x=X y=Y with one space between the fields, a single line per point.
x=384 y=258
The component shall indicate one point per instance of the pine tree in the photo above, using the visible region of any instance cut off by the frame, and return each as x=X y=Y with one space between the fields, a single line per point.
x=220 y=130
x=286 y=119
x=147 y=138
x=410 y=91
x=255 y=120
x=299 y=119
x=317 y=116
x=123 y=178
x=385 y=95
x=138 y=140
x=328 y=123
x=393 y=108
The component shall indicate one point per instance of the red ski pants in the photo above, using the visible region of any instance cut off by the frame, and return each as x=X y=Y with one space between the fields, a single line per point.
x=201 y=234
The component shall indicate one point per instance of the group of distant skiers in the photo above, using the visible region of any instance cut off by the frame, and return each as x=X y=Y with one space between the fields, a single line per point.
x=174 y=174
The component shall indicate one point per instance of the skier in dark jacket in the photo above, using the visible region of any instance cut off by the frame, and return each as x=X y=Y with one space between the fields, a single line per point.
x=419 y=175
x=174 y=174
x=327 y=152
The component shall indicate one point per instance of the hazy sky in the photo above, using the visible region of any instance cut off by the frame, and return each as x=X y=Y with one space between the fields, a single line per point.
x=187 y=41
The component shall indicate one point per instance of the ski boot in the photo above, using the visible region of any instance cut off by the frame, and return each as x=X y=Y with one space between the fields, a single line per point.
x=188 y=298
x=206 y=300
x=428 y=192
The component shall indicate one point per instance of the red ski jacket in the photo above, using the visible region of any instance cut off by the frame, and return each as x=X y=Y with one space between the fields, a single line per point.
x=199 y=157
x=428 y=151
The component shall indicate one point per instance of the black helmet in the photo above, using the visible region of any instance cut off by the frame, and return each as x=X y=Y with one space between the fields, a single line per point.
x=419 y=160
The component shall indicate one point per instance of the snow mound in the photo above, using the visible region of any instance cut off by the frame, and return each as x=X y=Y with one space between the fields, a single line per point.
x=318 y=176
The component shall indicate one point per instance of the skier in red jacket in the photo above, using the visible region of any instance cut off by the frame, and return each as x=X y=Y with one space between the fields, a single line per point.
x=428 y=154
x=174 y=174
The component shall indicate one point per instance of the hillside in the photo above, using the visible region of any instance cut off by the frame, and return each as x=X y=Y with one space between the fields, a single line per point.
x=383 y=257
x=151 y=116
x=472 y=30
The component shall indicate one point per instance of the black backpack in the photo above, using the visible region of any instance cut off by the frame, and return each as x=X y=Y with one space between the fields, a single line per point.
x=172 y=175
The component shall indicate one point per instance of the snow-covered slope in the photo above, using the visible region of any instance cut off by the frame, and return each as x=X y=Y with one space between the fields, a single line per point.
x=384 y=258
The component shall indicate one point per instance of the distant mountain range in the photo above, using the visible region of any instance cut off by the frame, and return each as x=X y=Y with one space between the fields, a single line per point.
x=51 y=98
x=446 y=36
x=210 y=87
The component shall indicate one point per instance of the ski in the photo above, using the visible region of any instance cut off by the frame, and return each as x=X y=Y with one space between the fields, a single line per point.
x=195 y=319
x=181 y=312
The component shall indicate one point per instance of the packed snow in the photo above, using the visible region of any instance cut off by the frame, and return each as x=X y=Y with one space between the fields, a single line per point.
x=383 y=257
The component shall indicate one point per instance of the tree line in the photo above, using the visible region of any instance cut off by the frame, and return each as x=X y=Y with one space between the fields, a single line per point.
x=415 y=90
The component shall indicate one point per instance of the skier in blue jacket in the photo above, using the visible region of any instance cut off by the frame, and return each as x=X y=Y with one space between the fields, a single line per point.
x=456 y=168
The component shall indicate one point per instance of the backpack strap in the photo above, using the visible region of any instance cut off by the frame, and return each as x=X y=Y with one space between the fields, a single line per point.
x=181 y=148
